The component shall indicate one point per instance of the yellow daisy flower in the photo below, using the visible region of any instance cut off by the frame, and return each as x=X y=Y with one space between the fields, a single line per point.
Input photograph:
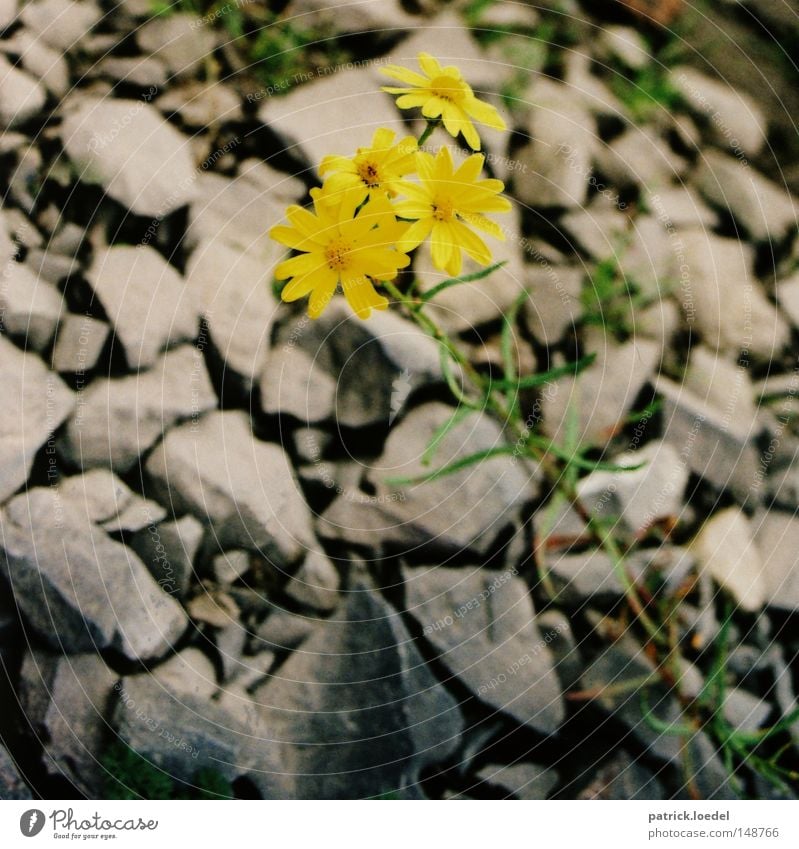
x=443 y=93
x=373 y=169
x=444 y=204
x=340 y=243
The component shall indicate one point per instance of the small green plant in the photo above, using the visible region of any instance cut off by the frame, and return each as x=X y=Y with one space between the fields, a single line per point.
x=131 y=776
x=647 y=92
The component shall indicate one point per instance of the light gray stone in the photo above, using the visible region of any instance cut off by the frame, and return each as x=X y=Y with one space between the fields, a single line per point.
x=725 y=548
x=233 y=292
x=522 y=780
x=559 y=153
x=712 y=444
x=12 y=783
x=316 y=583
x=604 y=392
x=42 y=62
x=244 y=488
x=78 y=343
x=460 y=511
x=724 y=301
x=109 y=502
x=744 y=711
x=79 y=589
x=35 y=402
x=639 y=497
x=169 y=551
x=482 y=626
x=229 y=566
x=777 y=540
x=679 y=207
x=144 y=71
x=8 y=11
x=788 y=298
x=128 y=148
x=63 y=24
x=189 y=672
x=623 y=779
x=359 y=686
x=381 y=19
x=733 y=118
x=554 y=305
x=146 y=300
x=118 y=419
x=625 y=44
x=21 y=95
x=180 y=41
x=639 y=157
x=66 y=701
x=765 y=210
x=30 y=307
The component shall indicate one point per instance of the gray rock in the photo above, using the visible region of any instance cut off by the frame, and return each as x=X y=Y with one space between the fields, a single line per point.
x=625 y=44
x=233 y=291
x=361 y=372
x=63 y=24
x=766 y=211
x=283 y=630
x=36 y=402
x=604 y=392
x=733 y=118
x=726 y=549
x=679 y=207
x=128 y=148
x=30 y=308
x=464 y=510
x=146 y=300
x=107 y=501
x=624 y=662
x=334 y=115
x=361 y=689
x=181 y=733
x=723 y=300
x=169 y=550
x=44 y=63
x=525 y=781
x=12 y=784
x=229 y=566
x=558 y=156
x=379 y=18
x=286 y=188
x=189 y=672
x=244 y=488
x=588 y=90
x=639 y=157
x=711 y=443
x=723 y=384
x=640 y=497
x=598 y=230
x=201 y=104
x=744 y=711
x=21 y=95
x=316 y=583
x=8 y=248
x=554 y=305
x=648 y=260
x=180 y=41
x=788 y=298
x=236 y=212
x=144 y=71
x=777 y=537
x=118 y=419
x=8 y=11
x=78 y=344
x=80 y=590
x=482 y=626
x=66 y=701
x=623 y=779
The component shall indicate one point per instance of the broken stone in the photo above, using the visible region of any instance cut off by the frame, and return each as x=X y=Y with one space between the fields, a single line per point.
x=30 y=307
x=180 y=41
x=21 y=95
x=78 y=344
x=168 y=550
x=316 y=583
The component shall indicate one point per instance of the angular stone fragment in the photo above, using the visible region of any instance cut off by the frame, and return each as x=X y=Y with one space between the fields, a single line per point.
x=482 y=626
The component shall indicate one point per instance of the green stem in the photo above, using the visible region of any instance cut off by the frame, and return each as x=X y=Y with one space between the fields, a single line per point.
x=432 y=123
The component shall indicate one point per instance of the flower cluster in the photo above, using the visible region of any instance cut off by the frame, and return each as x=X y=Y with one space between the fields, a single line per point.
x=369 y=214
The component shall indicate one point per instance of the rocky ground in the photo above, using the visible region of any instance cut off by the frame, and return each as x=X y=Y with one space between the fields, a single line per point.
x=209 y=586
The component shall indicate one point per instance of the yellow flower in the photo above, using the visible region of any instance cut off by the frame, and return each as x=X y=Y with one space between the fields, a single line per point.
x=444 y=204
x=373 y=169
x=443 y=93
x=340 y=244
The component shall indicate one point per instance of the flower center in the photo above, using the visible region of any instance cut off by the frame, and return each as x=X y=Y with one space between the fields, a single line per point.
x=450 y=89
x=443 y=208
x=369 y=173
x=337 y=254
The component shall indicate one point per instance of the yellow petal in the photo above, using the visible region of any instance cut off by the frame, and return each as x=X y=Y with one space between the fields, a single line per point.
x=404 y=75
x=475 y=219
x=383 y=138
x=471 y=243
x=299 y=287
x=433 y=106
x=290 y=237
x=441 y=245
x=415 y=235
x=362 y=296
x=321 y=297
x=298 y=265
x=429 y=65
x=485 y=113
x=470 y=170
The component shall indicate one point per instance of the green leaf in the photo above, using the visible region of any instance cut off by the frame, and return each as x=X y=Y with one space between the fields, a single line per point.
x=578 y=460
x=553 y=374
x=456 y=466
x=458 y=416
x=455 y=281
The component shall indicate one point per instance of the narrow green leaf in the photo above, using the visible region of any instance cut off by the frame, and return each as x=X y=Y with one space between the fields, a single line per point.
x=464 y=278
x=457 y=417
x=456 y=466
x=533 y=380
x=577 y=460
